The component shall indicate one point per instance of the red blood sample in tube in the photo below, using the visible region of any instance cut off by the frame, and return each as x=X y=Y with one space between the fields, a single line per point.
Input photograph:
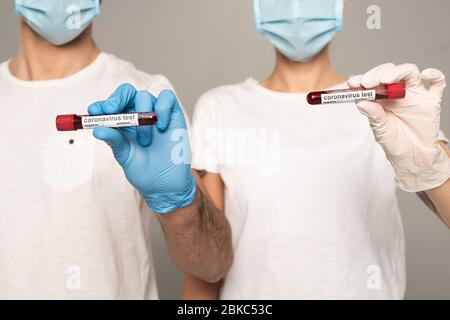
x=389 y=91
x=73 y=122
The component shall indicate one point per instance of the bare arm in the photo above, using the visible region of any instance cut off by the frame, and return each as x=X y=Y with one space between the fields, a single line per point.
x=199 y=238
x=440 y=197
x=194 y=288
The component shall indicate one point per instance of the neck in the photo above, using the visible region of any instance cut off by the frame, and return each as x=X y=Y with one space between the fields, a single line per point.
x=290 y=76
x=39 y=60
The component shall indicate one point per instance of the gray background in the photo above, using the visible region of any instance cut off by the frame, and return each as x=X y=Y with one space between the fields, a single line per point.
x=200 y=44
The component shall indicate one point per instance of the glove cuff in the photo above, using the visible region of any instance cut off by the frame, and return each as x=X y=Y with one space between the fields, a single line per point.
x=411 y=177
x=168 y=202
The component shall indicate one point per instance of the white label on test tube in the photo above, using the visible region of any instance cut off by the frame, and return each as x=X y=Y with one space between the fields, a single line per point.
x=351 y=96
x=111 y=120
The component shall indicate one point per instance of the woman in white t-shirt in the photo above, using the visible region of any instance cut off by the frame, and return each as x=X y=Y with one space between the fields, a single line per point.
x=310 y=191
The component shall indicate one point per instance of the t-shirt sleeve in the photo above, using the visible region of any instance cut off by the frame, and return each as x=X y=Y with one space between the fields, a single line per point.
x=204 y=128
x=159 y=83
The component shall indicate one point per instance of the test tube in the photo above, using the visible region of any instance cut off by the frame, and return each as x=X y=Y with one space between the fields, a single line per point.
x=73 y=122
x=389 y=91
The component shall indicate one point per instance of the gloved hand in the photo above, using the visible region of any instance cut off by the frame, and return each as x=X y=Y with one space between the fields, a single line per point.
x=156 y=161
x=407 y=129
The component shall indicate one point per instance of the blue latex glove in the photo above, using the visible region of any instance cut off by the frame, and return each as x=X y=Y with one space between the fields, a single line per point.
x=156 y=161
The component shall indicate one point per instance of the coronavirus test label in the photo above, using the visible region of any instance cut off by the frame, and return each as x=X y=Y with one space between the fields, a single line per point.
x=349 y=96
x=112 y=121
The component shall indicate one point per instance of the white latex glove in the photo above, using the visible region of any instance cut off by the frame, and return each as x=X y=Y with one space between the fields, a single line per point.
x=407 y=129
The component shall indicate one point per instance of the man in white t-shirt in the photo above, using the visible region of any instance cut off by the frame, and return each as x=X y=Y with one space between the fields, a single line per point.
x=71 y=226
x=308 y=190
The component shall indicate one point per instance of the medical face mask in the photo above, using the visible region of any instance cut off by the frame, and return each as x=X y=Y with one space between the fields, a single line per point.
x=299 y=29
x=58 y=21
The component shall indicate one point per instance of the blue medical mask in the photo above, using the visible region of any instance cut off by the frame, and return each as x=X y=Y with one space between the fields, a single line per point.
x=58 y=21
x=299 y=29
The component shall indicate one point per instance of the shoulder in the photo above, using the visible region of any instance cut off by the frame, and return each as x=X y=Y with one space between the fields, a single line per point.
x=224 y=95
x=126 y=71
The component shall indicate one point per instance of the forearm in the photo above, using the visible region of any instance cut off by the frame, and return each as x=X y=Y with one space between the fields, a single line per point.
x=199 y=239
x=440 y=197
x=196 y=289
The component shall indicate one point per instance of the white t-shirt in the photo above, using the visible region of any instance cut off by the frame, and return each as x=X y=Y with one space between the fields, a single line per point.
x=309 y=194
x=71 y=226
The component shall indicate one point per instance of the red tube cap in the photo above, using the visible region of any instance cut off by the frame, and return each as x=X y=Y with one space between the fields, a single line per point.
x=65 y=122
x=396 y=90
